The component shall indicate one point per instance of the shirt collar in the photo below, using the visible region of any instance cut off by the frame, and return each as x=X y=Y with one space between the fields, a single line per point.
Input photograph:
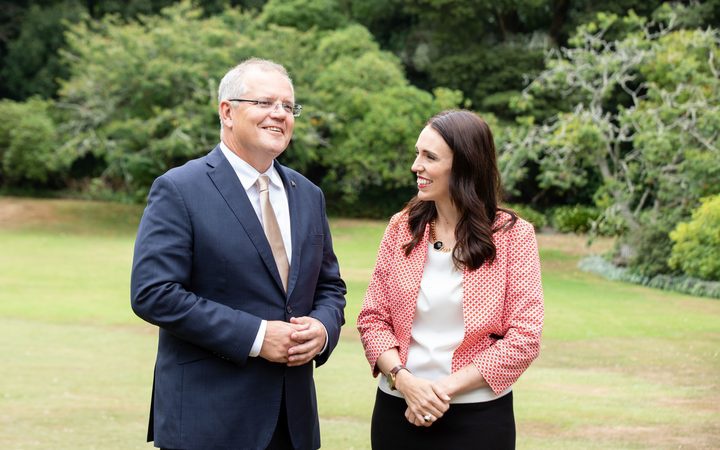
x=247 y=174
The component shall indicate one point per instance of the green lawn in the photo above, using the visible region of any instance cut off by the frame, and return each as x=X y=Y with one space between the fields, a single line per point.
x=621 y=366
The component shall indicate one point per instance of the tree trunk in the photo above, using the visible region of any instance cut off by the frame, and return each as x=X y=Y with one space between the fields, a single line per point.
x=560 y=11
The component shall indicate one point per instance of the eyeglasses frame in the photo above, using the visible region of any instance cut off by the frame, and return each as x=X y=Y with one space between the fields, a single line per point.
x=297 y=108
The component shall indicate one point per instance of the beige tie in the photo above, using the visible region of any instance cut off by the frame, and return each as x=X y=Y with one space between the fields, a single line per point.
x=272 y=229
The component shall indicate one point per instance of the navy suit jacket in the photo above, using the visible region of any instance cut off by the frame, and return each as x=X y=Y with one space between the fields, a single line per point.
x=203 y=272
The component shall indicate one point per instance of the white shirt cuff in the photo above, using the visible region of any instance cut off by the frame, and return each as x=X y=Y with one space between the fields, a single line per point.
x=327 y=338
x=257 y=345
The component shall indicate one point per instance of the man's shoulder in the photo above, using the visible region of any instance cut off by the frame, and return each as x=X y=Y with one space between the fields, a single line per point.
x=293 y=176
x=190 y=168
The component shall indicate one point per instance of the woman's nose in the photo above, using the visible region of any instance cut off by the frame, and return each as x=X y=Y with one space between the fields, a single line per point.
x=416 y=166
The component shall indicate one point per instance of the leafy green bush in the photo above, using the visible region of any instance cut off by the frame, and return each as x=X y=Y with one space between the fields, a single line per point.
x=531 y=215
x=651 y=246
x=696 y=249
x=304 y=14
x=28 y=138
x=573 y=219
x=481 y=70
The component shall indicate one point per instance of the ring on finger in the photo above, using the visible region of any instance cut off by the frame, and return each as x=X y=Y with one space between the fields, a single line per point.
x=427 y=417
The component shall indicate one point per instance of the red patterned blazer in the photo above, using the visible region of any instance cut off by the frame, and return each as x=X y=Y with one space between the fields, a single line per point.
x=502 y=303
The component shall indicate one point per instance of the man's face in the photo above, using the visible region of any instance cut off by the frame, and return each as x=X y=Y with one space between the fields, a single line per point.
x=260 y=135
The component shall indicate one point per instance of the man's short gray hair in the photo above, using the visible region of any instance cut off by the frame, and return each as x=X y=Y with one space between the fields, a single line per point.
x=232 y=84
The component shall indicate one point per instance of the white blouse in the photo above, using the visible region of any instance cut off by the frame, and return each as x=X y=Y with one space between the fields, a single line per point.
x=438 y=327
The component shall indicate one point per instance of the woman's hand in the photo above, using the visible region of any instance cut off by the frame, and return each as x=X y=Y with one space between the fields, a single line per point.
x=426 y=402
x=466 y=379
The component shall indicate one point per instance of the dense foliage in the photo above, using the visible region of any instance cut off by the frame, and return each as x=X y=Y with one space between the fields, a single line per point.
x=141 y=98
x=642 y=115
x=574 y=218
x=607 y=121
x=27 y=137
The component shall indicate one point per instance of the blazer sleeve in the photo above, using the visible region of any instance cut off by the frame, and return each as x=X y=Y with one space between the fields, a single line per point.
x=162 y=273
x=329 y=301
x=375 y=322
x=502 y=363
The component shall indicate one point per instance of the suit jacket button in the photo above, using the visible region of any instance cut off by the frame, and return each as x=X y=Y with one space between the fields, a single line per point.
x=289 y=309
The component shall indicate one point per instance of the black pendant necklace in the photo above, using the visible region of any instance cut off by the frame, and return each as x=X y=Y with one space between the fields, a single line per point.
x=437 y=244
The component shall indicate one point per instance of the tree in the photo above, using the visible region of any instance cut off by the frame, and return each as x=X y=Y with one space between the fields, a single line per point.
x=141 y=98
x=305 y=14
x=32 y=33
x=32 y=65
x=646 y=118
x=486 y=49
x=483 y=48
x=28 y=135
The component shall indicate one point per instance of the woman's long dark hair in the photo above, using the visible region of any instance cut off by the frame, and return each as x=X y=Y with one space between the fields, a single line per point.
x=475 y=189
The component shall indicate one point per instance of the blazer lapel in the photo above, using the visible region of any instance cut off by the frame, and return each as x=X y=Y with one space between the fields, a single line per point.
x=226 y=181
x=295 y=231
x=417 y=258
x=413 y=265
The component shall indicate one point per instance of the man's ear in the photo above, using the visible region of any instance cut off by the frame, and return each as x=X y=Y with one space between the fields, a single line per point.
x=225 y=112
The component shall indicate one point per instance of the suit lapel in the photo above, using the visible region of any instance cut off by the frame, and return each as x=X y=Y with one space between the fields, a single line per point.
x=226 y=181
x=295 y=225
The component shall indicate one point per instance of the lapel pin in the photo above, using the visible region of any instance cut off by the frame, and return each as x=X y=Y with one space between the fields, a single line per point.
x=292 y=183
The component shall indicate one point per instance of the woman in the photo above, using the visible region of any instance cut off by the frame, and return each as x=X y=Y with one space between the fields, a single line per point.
x=453 y=313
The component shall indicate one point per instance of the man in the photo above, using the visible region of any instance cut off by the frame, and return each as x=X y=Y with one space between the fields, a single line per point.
x=234 y=262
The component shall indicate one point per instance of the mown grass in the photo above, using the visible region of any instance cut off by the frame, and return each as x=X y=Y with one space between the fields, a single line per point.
x=621 y=367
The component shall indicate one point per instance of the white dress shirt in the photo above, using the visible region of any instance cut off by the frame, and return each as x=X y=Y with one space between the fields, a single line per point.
x=248 y=176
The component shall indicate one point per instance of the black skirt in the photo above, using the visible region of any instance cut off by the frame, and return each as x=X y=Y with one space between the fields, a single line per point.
x=485 y=425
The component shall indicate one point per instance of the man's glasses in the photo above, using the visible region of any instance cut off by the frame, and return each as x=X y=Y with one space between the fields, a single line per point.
x=264 y=103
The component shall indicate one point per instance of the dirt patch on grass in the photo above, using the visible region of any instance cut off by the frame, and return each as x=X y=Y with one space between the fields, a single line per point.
x=658 y=360
x=19 y=213
x=538 y=429
x=668 y=436
x=573 y=244
x=69 y=216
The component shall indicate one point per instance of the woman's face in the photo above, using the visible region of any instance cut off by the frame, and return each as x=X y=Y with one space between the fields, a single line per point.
x=433 y=165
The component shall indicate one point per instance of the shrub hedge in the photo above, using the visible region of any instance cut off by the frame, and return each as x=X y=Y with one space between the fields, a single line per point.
x=684 y=284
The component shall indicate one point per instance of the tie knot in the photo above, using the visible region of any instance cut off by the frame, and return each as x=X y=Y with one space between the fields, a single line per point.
x=263 y=183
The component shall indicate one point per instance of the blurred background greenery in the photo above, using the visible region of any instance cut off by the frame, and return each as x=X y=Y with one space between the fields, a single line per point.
x=605 y=114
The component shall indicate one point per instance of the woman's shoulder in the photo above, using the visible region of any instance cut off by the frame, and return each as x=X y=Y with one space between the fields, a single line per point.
x=512 y=224
x=399 y=220
x=398 y=227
